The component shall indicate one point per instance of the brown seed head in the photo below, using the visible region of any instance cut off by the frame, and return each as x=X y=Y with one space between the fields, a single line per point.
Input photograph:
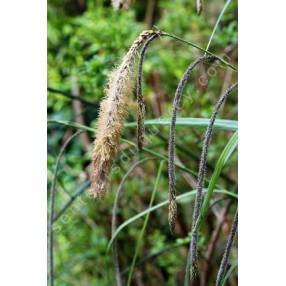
x=113 y=110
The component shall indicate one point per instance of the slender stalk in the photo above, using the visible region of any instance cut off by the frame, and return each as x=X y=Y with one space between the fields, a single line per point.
x=199 y=48
x=140 y=98
x=171 y=165
x=52 y=209
x=217 y=23
x=114 y=219
x=140 y=238
x=224 y=261
x=193 y=252
x=80 y=190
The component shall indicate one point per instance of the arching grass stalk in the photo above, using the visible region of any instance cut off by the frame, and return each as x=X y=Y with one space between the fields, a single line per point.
x=82 y=188
x=141 y=235
x=193 y=252
x=171 y=165
x=224 y=261
x=114 y=219
x=199 y=48
x=52 y=210
x=140 y=98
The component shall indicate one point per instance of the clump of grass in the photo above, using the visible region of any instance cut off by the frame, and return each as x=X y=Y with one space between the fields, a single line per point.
x=224 y=261
x=113 y=110
x=171 y=165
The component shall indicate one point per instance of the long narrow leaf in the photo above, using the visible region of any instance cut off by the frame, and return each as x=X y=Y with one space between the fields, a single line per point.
x=220 y=124
x=225 y=155
x=217 y=23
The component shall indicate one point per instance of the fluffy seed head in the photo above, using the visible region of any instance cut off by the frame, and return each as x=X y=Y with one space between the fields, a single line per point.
x=113 y=110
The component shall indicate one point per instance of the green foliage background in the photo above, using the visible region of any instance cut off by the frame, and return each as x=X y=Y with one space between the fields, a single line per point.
x=87 y=39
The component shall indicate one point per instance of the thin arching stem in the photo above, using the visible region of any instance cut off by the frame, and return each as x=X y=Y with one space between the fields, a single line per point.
x=199 y=48
x=114 y=219
x=224 y=261
x=217 y=23
x=171 y=165
x=193 y=252
x=78 y=193
x=140 y=98
x=52 y=209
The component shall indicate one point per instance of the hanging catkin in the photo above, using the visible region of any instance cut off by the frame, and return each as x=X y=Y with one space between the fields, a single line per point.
x=113 y=110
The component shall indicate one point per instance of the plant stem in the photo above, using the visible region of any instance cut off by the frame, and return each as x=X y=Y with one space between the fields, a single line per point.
x=199 y=48
x=52 y=209
x=217 y=23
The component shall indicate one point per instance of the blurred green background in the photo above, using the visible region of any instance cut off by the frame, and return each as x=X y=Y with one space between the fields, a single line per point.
x=86 y=39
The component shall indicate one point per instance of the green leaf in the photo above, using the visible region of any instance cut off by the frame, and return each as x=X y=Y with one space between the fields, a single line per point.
x=221 y=124
x=225 y=155
x=217 y=22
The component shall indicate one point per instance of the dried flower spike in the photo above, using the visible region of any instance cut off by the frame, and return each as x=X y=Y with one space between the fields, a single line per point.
x=113 y=110
x=172 y=137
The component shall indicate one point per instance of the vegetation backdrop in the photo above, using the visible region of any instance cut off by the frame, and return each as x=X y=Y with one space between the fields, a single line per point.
x=86 y=39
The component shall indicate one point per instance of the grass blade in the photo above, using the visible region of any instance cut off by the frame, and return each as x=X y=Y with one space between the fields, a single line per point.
x=217 y=23
x=220 y=124
x=225 y=155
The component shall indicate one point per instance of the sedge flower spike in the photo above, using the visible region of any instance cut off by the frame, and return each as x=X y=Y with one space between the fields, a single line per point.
x=113 y=110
